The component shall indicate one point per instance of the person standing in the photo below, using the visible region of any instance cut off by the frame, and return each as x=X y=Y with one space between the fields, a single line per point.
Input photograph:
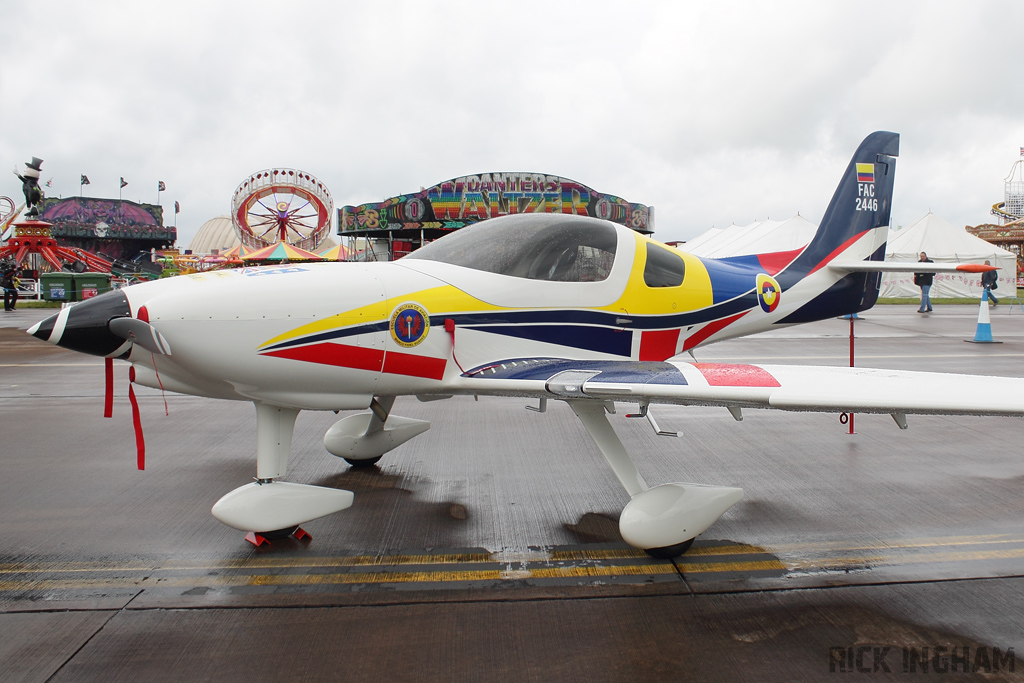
x=9 y=282
x=990 y=280
x=924 y=281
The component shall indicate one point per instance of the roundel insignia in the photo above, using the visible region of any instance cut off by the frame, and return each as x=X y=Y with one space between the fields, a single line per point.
x=768 y=293
x=409 y=325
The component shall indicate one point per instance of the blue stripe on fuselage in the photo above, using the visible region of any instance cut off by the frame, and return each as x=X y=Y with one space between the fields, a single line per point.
x=617 y=342
x=596 y=320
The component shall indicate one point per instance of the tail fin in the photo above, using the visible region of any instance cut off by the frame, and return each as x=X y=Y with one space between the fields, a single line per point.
x=855 y=225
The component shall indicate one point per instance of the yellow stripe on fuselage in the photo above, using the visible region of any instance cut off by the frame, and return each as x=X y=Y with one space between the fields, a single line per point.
x=358 y=316
x=443 y=299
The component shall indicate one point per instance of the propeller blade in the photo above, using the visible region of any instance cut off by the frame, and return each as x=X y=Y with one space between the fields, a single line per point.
x=140 y=332
x=108 y=388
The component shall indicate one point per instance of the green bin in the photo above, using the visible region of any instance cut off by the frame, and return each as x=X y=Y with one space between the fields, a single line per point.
x=59 y=286
x=88 y=285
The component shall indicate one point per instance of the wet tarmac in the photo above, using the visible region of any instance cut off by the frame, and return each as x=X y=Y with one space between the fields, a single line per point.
x=488 y=547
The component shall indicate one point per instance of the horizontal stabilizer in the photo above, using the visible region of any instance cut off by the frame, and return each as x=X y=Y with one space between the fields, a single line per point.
x=909 y=267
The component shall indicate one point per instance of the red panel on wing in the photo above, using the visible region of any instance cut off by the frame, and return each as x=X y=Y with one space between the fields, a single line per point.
x=729 y=375
x=773 y=263
x=341 y=355
x=658 y=344
x=710 y=329
x=415 y=366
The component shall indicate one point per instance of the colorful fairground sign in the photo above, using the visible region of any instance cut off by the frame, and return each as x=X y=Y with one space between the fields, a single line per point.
x=455 y=203
x=90 y=217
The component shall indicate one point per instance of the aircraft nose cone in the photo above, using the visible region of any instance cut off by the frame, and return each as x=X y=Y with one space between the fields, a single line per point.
x=83 y=326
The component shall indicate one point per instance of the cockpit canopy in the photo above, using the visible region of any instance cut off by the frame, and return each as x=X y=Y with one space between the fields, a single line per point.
x=551 y=247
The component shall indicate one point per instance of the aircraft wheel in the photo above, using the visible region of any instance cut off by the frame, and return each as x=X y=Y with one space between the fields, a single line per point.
x=278 y=533
x=368 y=462
x=670 y=552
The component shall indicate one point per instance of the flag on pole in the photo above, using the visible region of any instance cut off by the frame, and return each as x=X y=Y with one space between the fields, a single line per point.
x=49 y=182
x=160 y=187
x=85 y=179
x=177 y=208
x=123 y=183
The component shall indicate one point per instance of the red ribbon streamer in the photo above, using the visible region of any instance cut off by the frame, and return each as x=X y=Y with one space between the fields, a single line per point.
x=140 y=441
x=449 y=326
x=108 y=392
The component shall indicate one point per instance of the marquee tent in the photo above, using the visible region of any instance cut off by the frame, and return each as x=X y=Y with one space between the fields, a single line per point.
x=691 y=245
x=945 y=243
x=757 y=238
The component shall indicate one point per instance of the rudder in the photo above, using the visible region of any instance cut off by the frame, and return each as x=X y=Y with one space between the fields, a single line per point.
x=861 y=203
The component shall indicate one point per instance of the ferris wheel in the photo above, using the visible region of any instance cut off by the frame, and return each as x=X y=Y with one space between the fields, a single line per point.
x=282 y=205
x=7 y=214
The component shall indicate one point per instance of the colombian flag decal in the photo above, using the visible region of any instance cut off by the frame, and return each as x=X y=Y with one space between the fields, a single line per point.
x=768 y=293
x=865 y=173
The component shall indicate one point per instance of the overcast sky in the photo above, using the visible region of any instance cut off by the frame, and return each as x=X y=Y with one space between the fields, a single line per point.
x=713 y=112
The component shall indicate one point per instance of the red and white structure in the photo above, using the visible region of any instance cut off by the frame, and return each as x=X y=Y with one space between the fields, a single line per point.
x=282 y=205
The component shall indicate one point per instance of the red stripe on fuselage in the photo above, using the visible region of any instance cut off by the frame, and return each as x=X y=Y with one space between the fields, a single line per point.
x=410 y=364
x=727 y=375
x=775 y=262
x=840 y=249
x=710 y=329
x=658 y=344
x=362 y=358
x=340 y=355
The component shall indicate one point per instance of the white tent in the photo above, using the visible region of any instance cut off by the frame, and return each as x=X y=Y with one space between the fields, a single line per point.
x=726 y=243
x=762 y=237
x=772 y=236
x=945 y=243
x=700 y=239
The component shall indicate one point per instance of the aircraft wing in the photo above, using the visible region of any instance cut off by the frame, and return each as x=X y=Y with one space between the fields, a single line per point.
x=784 y=387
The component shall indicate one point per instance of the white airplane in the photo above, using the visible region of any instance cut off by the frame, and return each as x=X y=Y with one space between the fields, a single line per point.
x=544 y=306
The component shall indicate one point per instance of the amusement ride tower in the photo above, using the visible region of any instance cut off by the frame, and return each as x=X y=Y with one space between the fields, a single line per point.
x=1012 y=207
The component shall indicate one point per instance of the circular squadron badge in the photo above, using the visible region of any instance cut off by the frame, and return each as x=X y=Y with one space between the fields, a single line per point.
x=768 y=293
x=409 y=325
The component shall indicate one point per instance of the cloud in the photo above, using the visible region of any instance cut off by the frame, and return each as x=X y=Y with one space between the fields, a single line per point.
x=712 y=112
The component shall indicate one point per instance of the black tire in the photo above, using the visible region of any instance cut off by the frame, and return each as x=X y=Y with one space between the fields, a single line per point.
x=368 y=462
x=278 y=533
x=670 y=552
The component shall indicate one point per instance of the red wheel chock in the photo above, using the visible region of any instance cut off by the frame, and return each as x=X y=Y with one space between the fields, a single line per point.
x=301 y=534
x=256 y=539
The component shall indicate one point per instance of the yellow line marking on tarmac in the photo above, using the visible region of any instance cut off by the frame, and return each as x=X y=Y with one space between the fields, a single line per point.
x=931 y=558
x=630 y=553
x=910 y=543
x=261 y=563
x=699 y=560
x=365 y=560
x=386 y=577
x=487 y=558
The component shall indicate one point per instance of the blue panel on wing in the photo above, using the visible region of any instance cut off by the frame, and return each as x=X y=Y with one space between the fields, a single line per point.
x=639 y=372
x=611 y=371
x=601 y=339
